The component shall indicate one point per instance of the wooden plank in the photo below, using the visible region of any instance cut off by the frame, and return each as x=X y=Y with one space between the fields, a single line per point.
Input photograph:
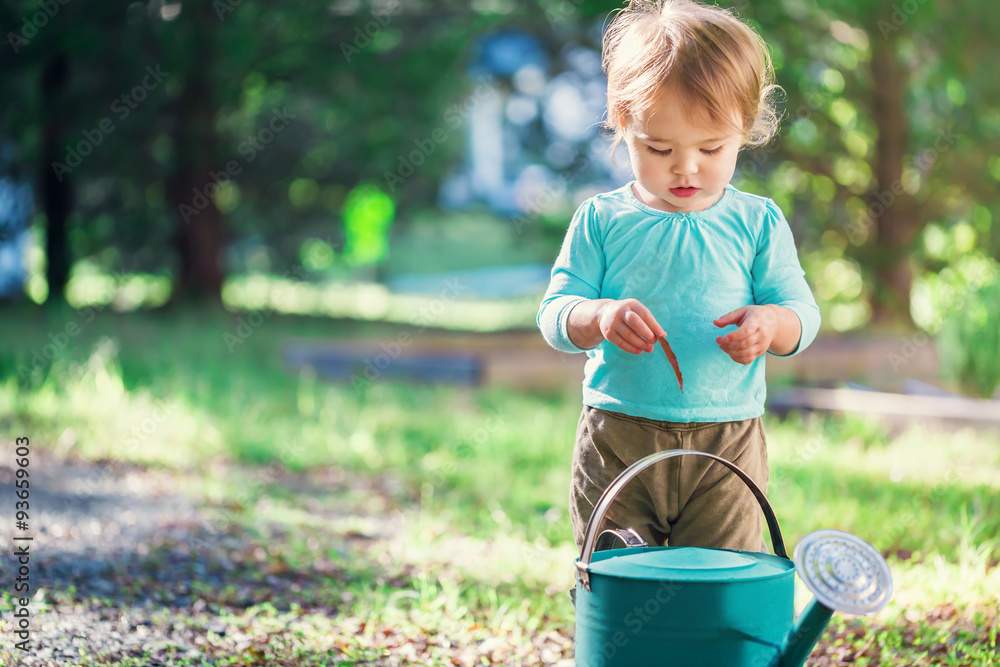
x=523 y=360
x=343 y=363
x=890 y=405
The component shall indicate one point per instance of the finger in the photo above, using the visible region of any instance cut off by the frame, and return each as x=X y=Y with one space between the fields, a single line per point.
x=618 y=341
x=746 y=331
x=733 y=317
x=619 y=335
x=630 y=336
x=750 y=352
x=633 y=321
x=741 y=344
x=648 y=321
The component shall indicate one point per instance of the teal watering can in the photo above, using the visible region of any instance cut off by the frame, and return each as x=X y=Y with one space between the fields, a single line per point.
x=694 y=607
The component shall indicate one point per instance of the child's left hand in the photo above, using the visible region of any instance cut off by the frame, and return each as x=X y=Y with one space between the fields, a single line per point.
x=757 y=327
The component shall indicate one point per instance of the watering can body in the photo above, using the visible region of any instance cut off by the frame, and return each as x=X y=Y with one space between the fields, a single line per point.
x=684 y=606
x=699 y=607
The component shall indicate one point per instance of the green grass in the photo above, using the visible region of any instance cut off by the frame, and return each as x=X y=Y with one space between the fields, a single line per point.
x=442 y=509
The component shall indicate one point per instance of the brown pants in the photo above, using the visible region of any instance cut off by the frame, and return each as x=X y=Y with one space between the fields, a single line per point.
x=685 y=501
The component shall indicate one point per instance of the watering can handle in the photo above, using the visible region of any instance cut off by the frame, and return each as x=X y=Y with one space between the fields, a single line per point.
x=609 y=494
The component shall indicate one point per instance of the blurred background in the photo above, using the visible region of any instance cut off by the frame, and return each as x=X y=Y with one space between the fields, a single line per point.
x=154 y=153
x=328 y=224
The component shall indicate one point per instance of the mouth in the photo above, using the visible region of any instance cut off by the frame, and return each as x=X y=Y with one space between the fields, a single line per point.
x=683 y=192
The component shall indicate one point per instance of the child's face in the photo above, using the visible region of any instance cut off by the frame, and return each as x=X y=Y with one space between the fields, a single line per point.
x=681 y=163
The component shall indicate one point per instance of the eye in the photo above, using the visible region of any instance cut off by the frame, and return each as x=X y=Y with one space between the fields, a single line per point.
x=711 y=151
x=656 y=152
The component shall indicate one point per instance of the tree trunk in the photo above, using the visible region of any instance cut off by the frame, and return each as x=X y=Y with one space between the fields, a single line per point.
x=57 y=192
x=200 y=236
x=896 y=223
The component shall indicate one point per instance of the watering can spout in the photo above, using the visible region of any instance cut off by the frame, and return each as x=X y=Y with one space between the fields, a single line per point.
x=846 y=574
x=805 y=634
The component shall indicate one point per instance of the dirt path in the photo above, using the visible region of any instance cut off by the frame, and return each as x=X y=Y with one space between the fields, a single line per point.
x=93 y=527
x=131 y=566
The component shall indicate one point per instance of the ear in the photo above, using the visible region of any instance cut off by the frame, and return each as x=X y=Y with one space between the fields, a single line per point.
x=615 y=116
x=622 y=121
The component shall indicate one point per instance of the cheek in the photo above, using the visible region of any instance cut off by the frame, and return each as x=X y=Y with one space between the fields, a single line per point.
x=633 y=157
x=726 y=168
x=641 y=163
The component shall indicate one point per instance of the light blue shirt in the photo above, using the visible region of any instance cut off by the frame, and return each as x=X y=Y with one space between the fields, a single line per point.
x=688 y=269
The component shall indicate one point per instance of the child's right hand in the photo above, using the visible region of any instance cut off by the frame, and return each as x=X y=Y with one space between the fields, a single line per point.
x=626 y=323
x=629 y=325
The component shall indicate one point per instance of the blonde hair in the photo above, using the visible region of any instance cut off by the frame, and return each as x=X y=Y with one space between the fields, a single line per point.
x=715 y=62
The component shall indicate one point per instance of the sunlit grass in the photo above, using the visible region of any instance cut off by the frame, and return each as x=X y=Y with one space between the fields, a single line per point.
x=374 y=301
x=89 y=287
x=167 y=390
x=470 y=537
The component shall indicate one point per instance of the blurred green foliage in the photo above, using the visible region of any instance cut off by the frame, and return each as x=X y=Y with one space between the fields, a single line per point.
x=889 y=119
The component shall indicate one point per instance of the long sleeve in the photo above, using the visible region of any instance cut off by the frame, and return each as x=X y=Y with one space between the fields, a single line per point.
x=778 y=277
x=576 y=276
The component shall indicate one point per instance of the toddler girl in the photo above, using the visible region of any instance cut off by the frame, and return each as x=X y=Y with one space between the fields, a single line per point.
x=679 y=252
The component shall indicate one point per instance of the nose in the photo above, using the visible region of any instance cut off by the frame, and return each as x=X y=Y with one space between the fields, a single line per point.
x=686 y=164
